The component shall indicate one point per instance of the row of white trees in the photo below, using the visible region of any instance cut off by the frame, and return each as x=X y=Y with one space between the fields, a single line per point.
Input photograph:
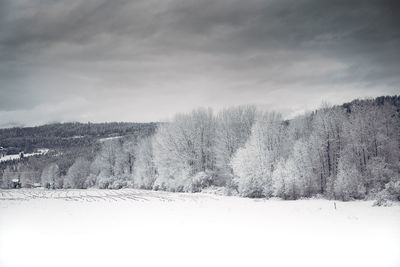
x=335 y=152
x=338 y=152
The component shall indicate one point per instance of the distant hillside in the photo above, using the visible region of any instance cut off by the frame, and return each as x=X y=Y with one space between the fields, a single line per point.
x=379 y=101
x=65 y=143
x=64 y=135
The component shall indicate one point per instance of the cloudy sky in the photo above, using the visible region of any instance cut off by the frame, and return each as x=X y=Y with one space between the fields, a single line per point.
x=144 y=60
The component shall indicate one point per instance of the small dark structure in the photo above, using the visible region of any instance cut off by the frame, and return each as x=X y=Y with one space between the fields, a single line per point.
x=15 y=183
x=3 y=152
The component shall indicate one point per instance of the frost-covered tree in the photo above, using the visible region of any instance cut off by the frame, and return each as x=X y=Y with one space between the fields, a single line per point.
x=77 y=174
x=113 y=165
x=124 y=164
x=303 y=169
x=371 y=142
x=184 y=147
x=108 y=156
x=251 y=170
x=233 y=130
x=378 y=174
x=50 y=177
x=173 y=158
x=145 y=172
x=281 y=180
x=326 y=140
x=349 y=183
x=254 y=164
x=8 y=175
x=288 y=180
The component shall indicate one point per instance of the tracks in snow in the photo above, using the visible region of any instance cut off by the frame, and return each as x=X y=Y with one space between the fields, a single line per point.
x=93 y=195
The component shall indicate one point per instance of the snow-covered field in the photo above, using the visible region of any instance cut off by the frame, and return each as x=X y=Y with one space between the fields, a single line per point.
x=41 y=151
x=145 y=228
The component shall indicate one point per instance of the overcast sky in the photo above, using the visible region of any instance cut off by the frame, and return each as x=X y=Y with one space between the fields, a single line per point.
x=145 y=60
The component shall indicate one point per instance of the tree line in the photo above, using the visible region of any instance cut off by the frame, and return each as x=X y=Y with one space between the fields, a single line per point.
x=339 y=152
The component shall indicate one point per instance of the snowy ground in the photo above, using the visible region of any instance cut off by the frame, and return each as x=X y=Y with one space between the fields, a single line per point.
x=144 y=228
x=41 y=151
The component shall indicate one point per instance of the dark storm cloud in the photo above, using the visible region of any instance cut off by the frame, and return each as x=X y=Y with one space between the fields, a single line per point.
x=111 y=60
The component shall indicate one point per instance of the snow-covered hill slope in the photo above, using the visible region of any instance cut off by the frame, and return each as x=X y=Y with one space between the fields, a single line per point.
x=42 y=151
x=146 y=228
